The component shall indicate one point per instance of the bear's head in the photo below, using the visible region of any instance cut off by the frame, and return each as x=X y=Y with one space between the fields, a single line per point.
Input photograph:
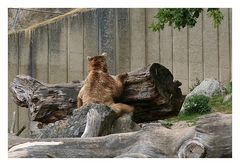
x=98 y=62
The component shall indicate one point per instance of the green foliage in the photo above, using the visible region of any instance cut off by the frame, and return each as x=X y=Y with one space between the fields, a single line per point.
x=189 y=117
x=218 y=104
x=214 y=104
x=182 y=17
x=197 y=82
x=229 y=88
x=197 y=104
x=216 y=15
x=167 y=123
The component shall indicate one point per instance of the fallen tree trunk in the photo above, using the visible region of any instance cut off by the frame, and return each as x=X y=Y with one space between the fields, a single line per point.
x=211 y=137
x=151 y=90
x=91 y=120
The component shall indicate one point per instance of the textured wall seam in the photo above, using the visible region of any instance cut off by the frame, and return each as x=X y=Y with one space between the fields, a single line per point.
x=130 y=38
x=188 y=49
x=230 y=41
x=146 y=37
x=67 y=47
x=48 y=57
x=218 y=54
x=203 y=59
x=172 y=46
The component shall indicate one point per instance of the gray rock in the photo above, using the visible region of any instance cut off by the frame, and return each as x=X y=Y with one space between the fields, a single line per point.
x=208 y=87
x=227 y=98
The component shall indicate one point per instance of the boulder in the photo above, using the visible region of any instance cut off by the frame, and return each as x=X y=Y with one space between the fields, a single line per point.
x=208 y=87
x=227 y=98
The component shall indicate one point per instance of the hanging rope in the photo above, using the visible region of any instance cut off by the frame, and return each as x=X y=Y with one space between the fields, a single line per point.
x=31 y=10
x=16 y=19
x=40 y=11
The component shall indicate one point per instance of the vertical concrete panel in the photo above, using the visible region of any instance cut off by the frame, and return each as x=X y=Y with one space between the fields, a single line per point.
x=107 y=26
x=75 y=47
x=90 y=19
x=180 y=57
x=39 y=51
x=224 y=57
x=210 y=47
x=166 y=47
x=122 y=41
x=137 y=33
x=24 y=68
x=195 y=53
x=152 y=38
x=12 y=72
x=58 y=51
x=230 y=39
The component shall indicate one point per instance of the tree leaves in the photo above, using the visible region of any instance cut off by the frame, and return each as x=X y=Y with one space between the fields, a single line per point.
x=216 y=15
x=182 y=17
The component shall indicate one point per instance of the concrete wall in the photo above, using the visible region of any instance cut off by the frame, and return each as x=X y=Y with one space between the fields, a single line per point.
x=56 y=51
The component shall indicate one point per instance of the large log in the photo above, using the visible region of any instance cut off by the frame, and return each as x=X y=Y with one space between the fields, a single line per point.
x=211 y=137
x=89 y=121
x=151 y=90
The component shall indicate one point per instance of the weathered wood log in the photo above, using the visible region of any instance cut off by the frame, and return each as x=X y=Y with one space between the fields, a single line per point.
x=46 y=102
x=72 y=126
x=211 y=137
x=151 y=90
x=89 y=121
x=99 y=122
x=218 y=129
x=153 y=93
x=192 y=149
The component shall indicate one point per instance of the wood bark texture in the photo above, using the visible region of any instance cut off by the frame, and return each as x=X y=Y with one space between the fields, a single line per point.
x=211 y=137
x=151 y=90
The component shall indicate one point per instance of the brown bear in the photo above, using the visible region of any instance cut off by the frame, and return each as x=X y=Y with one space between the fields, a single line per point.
x=100 y=87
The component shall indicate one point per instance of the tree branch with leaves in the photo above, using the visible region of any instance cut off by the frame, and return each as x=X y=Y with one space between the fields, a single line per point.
x=182 y=17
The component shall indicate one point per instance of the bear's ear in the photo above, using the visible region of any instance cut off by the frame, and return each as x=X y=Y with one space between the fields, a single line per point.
x=104 y=54
x=89 y=58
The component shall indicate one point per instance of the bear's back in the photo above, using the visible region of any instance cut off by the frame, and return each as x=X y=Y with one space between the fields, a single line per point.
x=99 y=87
